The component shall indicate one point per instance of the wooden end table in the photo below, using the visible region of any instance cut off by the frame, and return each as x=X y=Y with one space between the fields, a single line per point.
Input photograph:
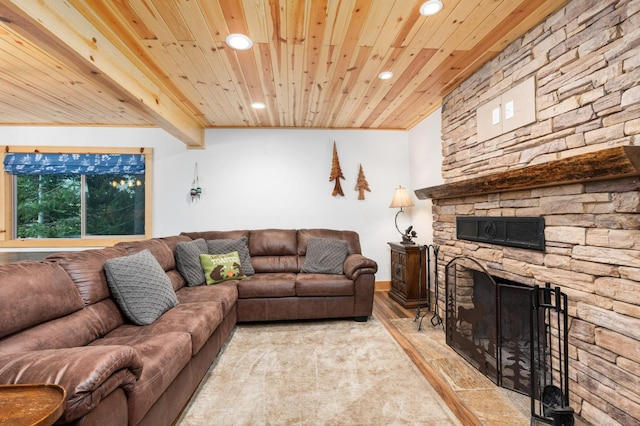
x=406 y=261
x=31 y=404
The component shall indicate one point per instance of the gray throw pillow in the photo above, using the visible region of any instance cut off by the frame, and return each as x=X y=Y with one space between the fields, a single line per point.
x=325 y=256
x=188 y=261
x=140 y=287
x=241 y=245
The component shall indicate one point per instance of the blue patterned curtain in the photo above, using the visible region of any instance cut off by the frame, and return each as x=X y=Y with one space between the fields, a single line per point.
x=82 y=164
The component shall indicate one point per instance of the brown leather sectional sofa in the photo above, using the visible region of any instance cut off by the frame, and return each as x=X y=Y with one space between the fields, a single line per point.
x=59 y=322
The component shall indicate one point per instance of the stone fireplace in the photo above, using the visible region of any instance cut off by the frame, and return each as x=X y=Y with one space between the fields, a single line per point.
x=576 y=166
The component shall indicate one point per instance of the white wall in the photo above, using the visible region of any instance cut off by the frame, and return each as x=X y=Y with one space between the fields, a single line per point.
x=257 y=178
x=279 y=178
x=425 y=159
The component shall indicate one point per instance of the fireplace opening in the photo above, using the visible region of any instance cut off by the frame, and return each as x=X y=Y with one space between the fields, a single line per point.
x=513 y=333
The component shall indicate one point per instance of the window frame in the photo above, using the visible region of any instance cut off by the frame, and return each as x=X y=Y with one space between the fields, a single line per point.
x=7 y=199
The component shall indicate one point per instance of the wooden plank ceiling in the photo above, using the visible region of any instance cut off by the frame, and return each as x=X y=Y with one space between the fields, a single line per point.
x=314 y=63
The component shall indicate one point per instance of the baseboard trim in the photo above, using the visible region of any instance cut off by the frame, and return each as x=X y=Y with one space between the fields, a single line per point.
x=383 y=286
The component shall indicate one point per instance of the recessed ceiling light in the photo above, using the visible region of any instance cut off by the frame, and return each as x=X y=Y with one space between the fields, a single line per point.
x=431 y=7
x=239 y=41
x=385 y=75
x=258 y=105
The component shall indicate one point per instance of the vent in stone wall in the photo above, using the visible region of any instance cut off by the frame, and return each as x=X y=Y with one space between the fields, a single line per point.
x=523 y=232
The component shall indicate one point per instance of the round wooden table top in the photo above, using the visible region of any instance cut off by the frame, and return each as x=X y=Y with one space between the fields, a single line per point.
x=31 y=404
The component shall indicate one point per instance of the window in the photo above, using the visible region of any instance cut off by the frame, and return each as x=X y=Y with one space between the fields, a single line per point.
x=78 y=206
x=75 y=198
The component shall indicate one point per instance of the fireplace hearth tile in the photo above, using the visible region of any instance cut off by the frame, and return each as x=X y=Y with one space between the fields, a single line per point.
x=506 y=407
x=460 y=374
x=434 y=347
x=492 y=408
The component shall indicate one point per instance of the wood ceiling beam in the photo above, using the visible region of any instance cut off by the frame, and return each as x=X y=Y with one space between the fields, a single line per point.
x=63 y=32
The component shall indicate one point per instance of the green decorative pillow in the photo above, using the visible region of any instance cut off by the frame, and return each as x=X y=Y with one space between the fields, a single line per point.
x=140 y=287
x=221 y=267
x=325 y=256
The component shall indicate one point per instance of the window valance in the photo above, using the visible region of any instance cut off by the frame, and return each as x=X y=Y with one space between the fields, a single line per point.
x=85 y=164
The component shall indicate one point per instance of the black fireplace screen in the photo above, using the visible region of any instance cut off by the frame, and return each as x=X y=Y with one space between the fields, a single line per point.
x=513 y=333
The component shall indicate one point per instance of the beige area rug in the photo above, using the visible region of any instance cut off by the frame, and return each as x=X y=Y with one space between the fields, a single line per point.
x=315 y=373
x=492 y=405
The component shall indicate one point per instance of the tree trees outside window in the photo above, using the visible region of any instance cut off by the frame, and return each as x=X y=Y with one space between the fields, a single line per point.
x=115 y=205
x=48 y=206
x=52 y=206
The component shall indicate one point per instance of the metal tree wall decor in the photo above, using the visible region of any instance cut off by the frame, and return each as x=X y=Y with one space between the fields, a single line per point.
x=336 y=173
x=362 y=184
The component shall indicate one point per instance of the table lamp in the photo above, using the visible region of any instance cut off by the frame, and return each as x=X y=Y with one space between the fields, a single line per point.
x=401 y=199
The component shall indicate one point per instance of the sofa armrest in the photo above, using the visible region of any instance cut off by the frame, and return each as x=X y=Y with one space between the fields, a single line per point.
x=87 y=373
x=356 y=265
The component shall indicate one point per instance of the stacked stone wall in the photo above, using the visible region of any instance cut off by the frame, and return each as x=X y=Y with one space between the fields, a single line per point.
x=586 y=63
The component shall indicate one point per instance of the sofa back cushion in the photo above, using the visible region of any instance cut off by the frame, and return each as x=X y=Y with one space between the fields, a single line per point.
x=274 y=250
x=216 y=235
x=351 y=237
x=34 y=292
x=173 y=241
x=177 y=279
x=86 y=269
x=163 y=254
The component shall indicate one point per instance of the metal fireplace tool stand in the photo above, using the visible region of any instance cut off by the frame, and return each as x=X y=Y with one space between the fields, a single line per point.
x=435 y=319
x=550 y=357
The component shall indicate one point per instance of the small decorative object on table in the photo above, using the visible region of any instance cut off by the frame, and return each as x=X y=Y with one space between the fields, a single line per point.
x=407 y=237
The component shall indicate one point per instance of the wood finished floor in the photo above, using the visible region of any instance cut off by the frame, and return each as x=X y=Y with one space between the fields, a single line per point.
x=477 y=401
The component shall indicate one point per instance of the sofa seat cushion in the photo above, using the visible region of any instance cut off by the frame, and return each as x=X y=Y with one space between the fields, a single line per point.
x=163 y=356
x=225 y=293
x=200 y=320
x=323 y=285
x=277 y=284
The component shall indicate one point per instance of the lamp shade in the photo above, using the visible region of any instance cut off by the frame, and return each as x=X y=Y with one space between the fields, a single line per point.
x=401 y=198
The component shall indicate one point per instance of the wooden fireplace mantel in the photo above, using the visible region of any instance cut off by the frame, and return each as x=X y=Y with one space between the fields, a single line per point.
x=610 y=163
